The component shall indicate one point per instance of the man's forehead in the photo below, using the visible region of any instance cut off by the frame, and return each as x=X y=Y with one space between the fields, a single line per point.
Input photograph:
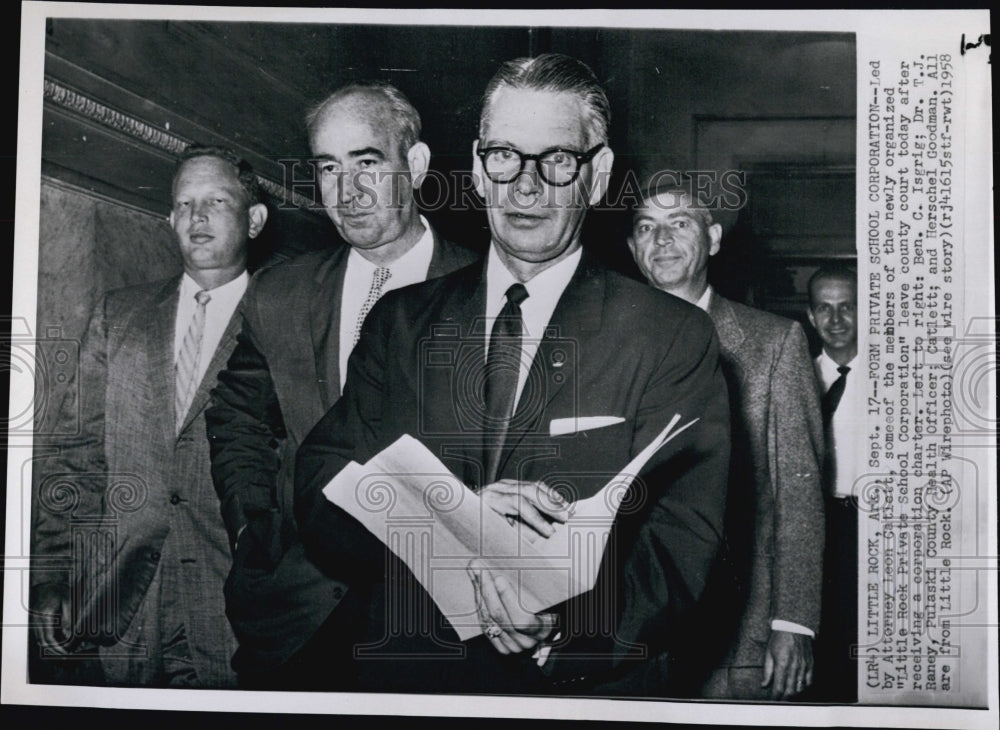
x=835 y=288
x=362 y=106
x=556 y=116
x=207 y=168
x=345 y=126
x=668 y=205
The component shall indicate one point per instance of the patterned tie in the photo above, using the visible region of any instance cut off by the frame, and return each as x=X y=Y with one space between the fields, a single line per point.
x=379 y=278
x=188 y=358
x=831 y=399
x=503 y=364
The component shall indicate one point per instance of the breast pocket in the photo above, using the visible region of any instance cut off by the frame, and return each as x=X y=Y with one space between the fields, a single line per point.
x=584 y=461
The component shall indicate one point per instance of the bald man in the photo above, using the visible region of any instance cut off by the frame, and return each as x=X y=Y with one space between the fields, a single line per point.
x=302 y=320
x=774 y=525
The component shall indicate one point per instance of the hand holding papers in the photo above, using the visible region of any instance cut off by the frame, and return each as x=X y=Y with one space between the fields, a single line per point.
x=408 y=499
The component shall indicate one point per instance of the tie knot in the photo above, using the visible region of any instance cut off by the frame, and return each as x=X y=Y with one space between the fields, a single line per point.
x=203 y=297
x=381 y=276
x=517 y=294
x=843 y=370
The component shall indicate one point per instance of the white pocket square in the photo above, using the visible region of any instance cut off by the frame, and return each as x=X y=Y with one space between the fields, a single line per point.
x=563 y=426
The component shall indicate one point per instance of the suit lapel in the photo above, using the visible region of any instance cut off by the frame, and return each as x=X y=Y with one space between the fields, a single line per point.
x=160 y=353
x=579 y=310
x=447 y=392
x=324 y=323
x=219 y=359
x=438 y=265
x=448 y=257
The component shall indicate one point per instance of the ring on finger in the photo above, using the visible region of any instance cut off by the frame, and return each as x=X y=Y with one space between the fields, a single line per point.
x=493 y=631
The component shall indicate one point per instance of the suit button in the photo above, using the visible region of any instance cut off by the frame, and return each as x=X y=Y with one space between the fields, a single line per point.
x=154 y=556
x=175 y=499
x=338 y=593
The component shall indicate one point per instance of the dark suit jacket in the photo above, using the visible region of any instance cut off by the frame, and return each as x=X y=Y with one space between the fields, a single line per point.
x=613 y=348
x=152 y=487
x=774 y=526
x=281 y=379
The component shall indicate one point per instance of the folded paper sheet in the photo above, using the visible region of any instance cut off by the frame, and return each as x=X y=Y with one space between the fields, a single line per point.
x=407 y=498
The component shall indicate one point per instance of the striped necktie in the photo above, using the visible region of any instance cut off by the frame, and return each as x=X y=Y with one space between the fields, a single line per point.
x=188 y=359
x=379 y=278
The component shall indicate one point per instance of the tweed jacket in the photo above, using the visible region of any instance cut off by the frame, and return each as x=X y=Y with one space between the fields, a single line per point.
x=774 y=523
x=140 y=492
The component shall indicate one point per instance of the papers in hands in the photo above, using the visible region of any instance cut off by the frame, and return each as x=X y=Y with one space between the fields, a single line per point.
x=408 y=499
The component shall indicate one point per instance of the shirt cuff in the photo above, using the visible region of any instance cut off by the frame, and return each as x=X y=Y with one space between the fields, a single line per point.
x=239 y=532
x=791 y=627
x=541 y=654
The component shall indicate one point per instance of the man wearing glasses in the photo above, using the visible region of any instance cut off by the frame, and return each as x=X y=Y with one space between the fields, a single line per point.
x=554 y=339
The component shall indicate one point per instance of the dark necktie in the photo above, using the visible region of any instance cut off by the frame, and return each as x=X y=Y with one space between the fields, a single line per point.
x=503 y=364
x=832 y=397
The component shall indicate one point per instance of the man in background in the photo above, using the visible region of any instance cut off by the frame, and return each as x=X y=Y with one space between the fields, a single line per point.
x=151 y=591
x=833 y=301
x=774 y=526
x=301 y=322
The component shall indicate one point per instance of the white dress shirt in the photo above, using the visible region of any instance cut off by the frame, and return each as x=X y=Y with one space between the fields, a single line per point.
x=777 y=624
x=705 y=300
x=847 y=422
x=410 y=268
x=218 y=312
x=544 y=291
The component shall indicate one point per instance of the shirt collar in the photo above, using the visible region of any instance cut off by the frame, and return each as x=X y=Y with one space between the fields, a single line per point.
x=828 y=366
x=418 y=258
x=234 y=288
x=705 y=300
x=544 y=289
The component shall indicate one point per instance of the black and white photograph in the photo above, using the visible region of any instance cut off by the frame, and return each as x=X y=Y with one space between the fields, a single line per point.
x=635 y=365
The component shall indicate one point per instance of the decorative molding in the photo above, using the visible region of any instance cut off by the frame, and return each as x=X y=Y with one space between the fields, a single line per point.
x=160 y=139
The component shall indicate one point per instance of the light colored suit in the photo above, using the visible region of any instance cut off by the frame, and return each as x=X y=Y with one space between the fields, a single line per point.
x=774 y=526
x=143 y=513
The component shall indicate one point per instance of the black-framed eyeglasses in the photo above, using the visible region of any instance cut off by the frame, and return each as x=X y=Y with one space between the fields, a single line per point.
x=557 y=167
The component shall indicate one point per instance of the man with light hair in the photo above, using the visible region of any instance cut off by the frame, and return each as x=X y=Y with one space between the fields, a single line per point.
x=138 y=472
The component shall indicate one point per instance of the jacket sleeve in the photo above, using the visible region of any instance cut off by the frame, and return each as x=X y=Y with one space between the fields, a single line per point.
x=71 y=485
x=795 y=445
x=350 y=430
x=677 y=539
x=245 y=429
